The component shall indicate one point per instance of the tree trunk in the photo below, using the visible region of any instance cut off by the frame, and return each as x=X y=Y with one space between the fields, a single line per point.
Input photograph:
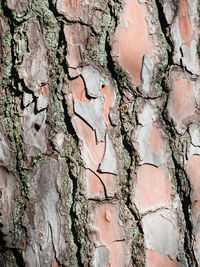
x=99 y=133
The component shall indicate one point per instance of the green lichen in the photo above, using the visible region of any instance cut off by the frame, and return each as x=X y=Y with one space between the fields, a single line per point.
x=8 y=259
x=11 y=121
x=134 y=238
x=104 y=29
x=59 y=120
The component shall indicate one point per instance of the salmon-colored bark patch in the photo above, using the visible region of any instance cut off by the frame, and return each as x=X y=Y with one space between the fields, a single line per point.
x=156 y=141
x=184 y=23
x=117 y=254
x=193 y=169
x=110 y=183
x=157 y=260
x=183 y=101
x=72 y=3
x=106 y=221
x=77 y=88
x=85 y=132
x=132 y=35
x=93 y=154
x=153 y=187
x=108 y=103
x=95 y=186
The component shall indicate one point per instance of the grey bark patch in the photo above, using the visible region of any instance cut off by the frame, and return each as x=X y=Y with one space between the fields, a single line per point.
x=93 y=114
x=196 y=245
x=34 y=68
x=142 y=137
x=46 y=241
x=42 y=102
x=93 y=81
x=147 y=72
x=82 y=11
x=161 y=232
x=34 y=131
x=194 y=131
x=187 y=56
x=6 y=156
x=19 y=6
x=148 y=113
x=60 y=142
x=193 y=150
x=114 y=116
x=169 y=7
x=7 y=189
x=190 y=58
x=101 y=257
x=76 y=36
x=153 y=158
x=109 y=162
x=27 y=99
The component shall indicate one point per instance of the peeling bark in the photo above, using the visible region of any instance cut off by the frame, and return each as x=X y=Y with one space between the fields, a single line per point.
x=99 y=133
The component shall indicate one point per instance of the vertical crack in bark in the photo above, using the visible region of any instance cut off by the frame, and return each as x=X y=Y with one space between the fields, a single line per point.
x=128 y=148
x=68 y=123
x=77 y=228
x=166 y=32
x=183 y=189
x=74 y=217
x=12 y=93
x=183 y=183
x=186 y=206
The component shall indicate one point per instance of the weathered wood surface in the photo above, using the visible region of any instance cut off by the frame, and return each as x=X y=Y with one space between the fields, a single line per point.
x=99 y=133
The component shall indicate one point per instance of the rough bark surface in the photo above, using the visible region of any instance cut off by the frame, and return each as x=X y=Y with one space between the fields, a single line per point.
x=99 y=133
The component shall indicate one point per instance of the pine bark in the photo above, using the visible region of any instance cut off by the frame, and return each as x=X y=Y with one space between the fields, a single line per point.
x=99 y=133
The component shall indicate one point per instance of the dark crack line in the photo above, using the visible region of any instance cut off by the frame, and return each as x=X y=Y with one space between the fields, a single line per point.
x=119 y=240
x=74 y=217
x=186 y=206
x=186 y=202
x=104 y=187
x=62 y=19
x=19 y=169
x=3 y=249
x=111 y=66
x=179 y=170
x=165 y=28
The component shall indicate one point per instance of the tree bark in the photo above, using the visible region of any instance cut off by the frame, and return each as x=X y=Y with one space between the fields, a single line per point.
x=99 y=133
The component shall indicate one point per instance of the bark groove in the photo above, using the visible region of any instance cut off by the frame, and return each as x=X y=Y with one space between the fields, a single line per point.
x=99 y=133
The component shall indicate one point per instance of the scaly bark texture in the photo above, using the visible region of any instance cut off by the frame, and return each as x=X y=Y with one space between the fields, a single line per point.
x=99 y=133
